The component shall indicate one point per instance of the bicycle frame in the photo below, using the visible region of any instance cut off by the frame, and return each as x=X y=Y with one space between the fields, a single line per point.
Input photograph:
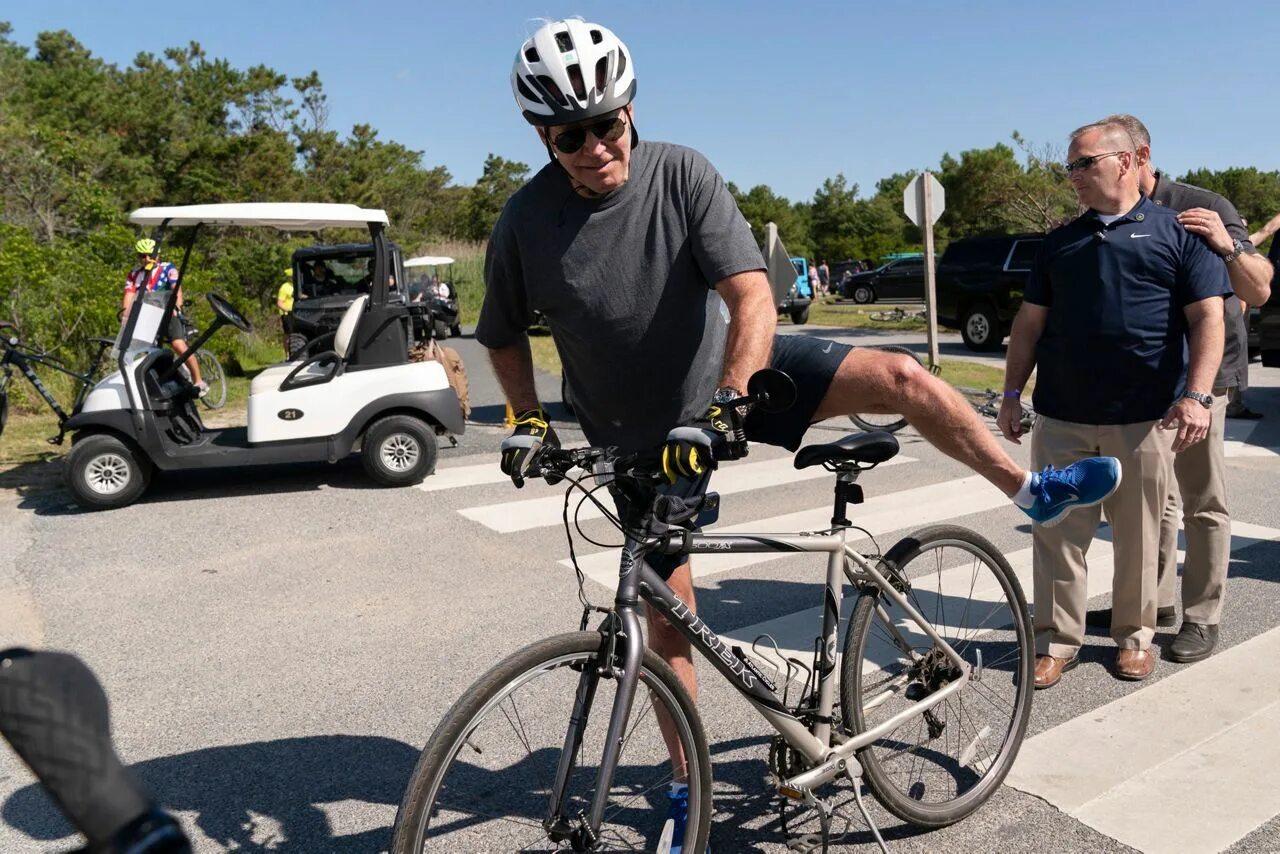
x=637 y=581
x=23 y=361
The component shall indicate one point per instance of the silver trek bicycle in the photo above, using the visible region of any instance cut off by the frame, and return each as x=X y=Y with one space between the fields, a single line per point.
x=568 y=744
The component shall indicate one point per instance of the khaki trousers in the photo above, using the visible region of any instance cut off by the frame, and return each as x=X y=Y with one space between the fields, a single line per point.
x=1134 y=511
x=1201 y=478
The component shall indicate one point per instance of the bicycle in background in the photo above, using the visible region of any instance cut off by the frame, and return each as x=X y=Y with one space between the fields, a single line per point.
x=24 y=359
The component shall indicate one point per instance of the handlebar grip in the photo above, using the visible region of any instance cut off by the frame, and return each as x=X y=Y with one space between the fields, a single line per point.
x=54 y=713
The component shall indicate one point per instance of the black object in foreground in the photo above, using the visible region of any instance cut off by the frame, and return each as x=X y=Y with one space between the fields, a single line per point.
x=54 y=714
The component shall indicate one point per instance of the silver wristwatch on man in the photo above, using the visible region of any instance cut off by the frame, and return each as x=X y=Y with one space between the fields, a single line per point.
x=1236 y=251
x=1205 y=400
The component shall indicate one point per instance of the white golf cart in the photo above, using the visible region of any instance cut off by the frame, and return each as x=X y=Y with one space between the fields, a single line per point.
x=360 y=391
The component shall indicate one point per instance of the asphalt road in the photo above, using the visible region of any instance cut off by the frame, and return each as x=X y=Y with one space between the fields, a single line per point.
x=278 y=644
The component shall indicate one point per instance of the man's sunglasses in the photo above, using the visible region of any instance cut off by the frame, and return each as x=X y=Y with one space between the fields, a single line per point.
x=605 y=130
x=1085 y=162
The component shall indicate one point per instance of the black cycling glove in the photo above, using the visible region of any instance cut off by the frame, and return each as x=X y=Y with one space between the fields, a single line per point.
x=520 y=450
x=720 y=434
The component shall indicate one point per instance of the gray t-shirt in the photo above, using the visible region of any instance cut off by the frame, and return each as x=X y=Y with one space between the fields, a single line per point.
x=1234 y=370
x=625 y=283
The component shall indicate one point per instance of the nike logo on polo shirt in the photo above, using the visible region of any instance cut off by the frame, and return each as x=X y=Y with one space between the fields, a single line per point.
x=1139 y=235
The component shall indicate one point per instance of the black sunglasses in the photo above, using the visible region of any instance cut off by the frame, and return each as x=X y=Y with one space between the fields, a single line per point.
x=1086 y=162
x=605 y=130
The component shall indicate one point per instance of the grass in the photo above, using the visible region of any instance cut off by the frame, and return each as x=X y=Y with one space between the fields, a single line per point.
x=858 y=317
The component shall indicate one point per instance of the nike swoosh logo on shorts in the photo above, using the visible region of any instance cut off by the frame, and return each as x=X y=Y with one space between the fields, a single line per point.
x=827 y=349
x=1135 y=236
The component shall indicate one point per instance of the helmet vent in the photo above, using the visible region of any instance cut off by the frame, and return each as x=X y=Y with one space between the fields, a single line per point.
x=564 y=42
x=525 y=90
x=596 y=37
x=531 y=54
x=622 y=62
x=553 y=91
x=575 y=79
x=602 y=73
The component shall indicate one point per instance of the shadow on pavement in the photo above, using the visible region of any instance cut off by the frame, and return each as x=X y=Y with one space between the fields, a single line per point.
x=283 y=781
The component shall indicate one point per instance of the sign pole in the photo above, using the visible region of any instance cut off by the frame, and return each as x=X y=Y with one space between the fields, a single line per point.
x=930 y=293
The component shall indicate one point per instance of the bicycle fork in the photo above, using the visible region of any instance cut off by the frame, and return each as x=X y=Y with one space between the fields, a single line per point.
x=621 y=637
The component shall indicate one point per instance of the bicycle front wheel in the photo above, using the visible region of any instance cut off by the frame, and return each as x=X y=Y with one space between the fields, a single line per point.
x=941 y=765
x=888 y=423
x=485 y=779
x=211 y=372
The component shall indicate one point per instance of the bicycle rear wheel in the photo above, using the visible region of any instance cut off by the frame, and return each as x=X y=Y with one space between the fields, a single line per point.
x=888 y=423
x=940 y=766
x=211 y=372
x=484 y=780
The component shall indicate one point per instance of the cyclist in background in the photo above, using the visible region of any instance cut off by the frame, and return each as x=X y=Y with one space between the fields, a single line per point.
x=284 y=303
x=151 y=275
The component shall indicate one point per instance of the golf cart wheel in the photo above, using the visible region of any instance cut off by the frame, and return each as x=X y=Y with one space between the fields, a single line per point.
x=399 y=450
x=456 y=330
x=440 y=329
x=293 y=346
x=103 y=472
x=801 y=317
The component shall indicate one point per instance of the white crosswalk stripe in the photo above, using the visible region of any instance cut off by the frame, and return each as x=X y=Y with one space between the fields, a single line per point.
x=510 y=516
x=1195 y=788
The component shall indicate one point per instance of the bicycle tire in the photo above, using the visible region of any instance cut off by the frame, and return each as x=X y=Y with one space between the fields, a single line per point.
x=891 y=423
x=888 y=315
x=1007 y=667
x=460 y=725
x=213 y=375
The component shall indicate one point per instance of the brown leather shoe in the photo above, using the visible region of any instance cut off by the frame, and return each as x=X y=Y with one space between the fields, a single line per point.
x=1049 y=669
x=1135 y=664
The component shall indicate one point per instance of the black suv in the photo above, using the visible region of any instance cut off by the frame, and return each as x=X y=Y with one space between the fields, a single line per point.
x=900 y=279
x=979 y=285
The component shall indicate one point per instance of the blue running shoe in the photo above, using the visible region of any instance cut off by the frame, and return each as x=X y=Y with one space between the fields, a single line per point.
x=672 y=839
x=1081 y=484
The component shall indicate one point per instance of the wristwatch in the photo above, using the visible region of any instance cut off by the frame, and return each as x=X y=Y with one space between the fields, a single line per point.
x=725 y=394
x=1205 y=400
x=1236 y=252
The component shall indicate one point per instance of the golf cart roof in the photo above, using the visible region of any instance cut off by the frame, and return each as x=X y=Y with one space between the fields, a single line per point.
x=338 y=250
x=286 y=216
x=428 y=261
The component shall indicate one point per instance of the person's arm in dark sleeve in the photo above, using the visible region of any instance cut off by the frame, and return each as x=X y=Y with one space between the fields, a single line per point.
x=1220 y=227
x=505 y=317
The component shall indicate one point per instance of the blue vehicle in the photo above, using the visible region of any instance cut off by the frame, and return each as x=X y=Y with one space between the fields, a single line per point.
x=797 y=300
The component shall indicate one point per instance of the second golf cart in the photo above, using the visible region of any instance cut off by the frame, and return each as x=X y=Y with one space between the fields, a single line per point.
x=360 y=391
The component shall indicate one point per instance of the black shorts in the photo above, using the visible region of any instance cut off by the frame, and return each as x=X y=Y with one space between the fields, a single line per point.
x=811 y=363
x=176 y=330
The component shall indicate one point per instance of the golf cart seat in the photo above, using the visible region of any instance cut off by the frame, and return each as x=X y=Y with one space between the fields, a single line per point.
x=319 y=368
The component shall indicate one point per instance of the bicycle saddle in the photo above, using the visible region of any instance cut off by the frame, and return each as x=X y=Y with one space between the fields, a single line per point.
x=867 y=448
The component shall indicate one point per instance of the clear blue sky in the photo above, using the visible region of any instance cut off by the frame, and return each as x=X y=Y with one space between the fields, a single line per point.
x=780 y=94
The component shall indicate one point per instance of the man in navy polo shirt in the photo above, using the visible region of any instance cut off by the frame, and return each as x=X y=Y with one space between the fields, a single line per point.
x=1111 y=299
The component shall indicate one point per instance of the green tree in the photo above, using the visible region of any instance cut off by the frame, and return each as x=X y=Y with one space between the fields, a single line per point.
x=499 y=180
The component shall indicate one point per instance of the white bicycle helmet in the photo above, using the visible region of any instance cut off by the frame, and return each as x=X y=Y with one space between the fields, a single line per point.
x=572 y=71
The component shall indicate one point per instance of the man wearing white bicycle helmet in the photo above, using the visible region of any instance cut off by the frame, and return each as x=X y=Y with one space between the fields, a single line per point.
x=654 y=290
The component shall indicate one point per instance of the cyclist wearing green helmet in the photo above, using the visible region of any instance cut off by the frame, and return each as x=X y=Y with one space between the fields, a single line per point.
x=151 y=275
